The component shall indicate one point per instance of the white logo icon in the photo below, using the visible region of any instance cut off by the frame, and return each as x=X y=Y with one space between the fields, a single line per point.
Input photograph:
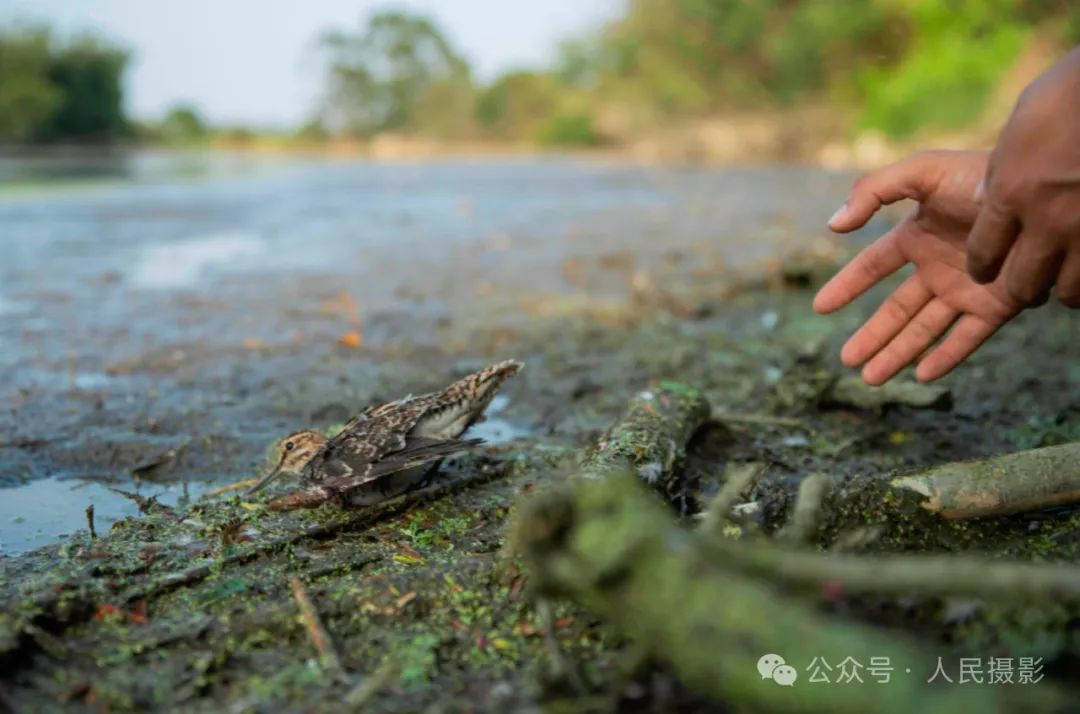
x=772 y=666
x=784 y=675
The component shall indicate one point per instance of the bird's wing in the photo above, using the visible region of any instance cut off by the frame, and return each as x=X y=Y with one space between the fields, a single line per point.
x=371 y=435
x=416 y=453
x=343 y=478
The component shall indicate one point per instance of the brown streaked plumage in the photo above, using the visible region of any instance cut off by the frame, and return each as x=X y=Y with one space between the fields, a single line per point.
x=386 y=450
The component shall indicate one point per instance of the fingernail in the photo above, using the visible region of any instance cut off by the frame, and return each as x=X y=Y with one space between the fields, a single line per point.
x=838 y=215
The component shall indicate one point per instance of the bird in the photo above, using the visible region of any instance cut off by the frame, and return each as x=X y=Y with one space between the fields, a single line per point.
x=386 y=450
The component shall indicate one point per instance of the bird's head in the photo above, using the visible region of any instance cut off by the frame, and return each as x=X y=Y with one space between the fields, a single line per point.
x=293 y=454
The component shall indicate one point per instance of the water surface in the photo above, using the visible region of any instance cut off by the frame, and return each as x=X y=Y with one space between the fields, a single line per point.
x=165 y=317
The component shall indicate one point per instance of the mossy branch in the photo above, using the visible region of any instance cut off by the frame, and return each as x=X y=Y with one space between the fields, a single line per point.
x=650 y=438
x=611 y=546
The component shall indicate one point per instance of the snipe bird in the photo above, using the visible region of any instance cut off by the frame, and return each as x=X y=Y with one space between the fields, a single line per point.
x=389 y=449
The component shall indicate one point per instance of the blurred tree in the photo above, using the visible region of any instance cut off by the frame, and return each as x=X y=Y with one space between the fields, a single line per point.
x=88 y=73
x=378 y=76
x=570 y=129
x=312 y=130
x=182 y=125
x=517 y=104
x=446 y=109
x=579 y=62
x=237 y=135
x=895 y=65
x=694 y=55
x=958 y=52
x=28 y=98
x=53 y=92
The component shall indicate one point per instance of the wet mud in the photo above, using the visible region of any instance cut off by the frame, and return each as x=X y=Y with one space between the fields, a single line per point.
x=361 y=284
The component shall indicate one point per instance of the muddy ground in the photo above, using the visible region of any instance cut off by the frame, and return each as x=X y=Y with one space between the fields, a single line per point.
x=188 y=606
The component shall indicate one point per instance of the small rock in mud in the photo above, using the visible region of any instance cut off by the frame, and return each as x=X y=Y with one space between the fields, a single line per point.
x=853 y=392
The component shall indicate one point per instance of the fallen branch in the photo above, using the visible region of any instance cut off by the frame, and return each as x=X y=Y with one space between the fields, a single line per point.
x=319 y=637
x=1000 y=485
x=650 y=438
x=607 y=544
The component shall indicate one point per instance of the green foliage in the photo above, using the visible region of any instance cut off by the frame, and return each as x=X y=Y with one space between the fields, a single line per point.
x=27 y=98
x=902 y=64
x=949 y=71
x=51 y=91
x=445 y=109
x=378 y=76
x=312 y=130
x=897 y=65
x=694 y=55
x=88 y=73
x=183 y=125
x=517 y=104
x=569 y=129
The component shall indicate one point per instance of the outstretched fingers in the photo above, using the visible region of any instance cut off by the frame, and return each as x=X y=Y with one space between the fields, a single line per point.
x=873 y=264
x=966 y=337
x=914 y=178
x=887 y=322
x=923 y=330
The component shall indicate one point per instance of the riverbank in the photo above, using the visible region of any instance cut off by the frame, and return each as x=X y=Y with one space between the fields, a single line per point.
x=424 y=605
x=187 y=325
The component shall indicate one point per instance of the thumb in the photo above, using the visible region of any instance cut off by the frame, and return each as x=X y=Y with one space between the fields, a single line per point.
x=911 y=178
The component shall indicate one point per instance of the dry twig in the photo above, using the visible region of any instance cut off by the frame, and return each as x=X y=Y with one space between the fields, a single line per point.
x=319 y=637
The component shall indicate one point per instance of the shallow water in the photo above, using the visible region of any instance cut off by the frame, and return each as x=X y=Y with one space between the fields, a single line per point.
x=158 y=303
x=50 y=509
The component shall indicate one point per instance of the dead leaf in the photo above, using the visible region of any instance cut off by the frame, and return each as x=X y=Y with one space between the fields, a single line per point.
x=352 y=338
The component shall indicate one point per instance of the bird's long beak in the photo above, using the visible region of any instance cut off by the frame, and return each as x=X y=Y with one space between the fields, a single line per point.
x=267 y=478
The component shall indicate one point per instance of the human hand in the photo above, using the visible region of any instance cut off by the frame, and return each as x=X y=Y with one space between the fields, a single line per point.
x=940 y=292
x=1031 y=195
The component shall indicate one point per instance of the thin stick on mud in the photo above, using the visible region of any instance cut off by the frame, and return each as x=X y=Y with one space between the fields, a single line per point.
x=803 y=524
x=370 y=685
x=1000 y=485
x=228 y=488
x=319 y=637
x=928 y=575
x=757 y=419
x=90 y=521
x=738 y=480
x=561 y=668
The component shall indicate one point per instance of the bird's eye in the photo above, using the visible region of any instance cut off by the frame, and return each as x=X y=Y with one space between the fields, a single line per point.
x=289 y=446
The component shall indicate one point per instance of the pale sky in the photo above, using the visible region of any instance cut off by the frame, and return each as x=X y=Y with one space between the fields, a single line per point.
x=253 y=61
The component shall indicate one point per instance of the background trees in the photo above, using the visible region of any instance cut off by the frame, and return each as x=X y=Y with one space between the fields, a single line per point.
x=897 y=66
x=381 y=78
x=52 y=91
